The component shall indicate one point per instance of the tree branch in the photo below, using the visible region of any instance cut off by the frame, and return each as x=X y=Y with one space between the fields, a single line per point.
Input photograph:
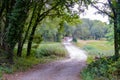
x=47 y=12
x=100 y=10
x=112 y=8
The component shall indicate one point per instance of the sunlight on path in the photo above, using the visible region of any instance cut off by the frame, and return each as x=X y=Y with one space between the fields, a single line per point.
x=75 y=52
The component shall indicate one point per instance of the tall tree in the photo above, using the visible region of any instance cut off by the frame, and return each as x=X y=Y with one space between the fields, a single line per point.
x=16 y=12
x=110 y=8
x=53 y=8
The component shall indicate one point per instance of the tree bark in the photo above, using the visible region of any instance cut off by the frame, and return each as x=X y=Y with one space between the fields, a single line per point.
x=38 y=20
x=31 y=39
x=117 y=30
x=116 y=38
x=19 y=51
x=21 y=42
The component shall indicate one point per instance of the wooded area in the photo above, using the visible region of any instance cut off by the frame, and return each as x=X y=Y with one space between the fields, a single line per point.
x=27 y=22
x=19 y=20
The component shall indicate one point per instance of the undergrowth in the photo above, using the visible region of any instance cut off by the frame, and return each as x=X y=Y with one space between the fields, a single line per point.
x=101 y=64
x=45 y=50
x=105 y=68
x=43 y=54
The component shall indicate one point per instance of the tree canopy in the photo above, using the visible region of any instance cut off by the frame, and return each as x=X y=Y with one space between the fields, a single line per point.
x=20 y=19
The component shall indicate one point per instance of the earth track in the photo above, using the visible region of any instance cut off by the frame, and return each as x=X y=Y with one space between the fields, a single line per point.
x=68 y=69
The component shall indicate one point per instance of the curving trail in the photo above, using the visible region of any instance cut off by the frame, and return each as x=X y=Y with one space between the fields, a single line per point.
x=68 y=69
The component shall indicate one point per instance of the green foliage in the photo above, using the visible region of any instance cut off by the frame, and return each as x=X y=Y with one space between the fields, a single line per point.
x=46 y=50
x=49 y=29
x=110 y=34
x=105 y=68
x=91 y=29
x=74 y=40
x=23 y=63
x=15 y=26
x=43 y=53
x=4 y=68
x=111 y=9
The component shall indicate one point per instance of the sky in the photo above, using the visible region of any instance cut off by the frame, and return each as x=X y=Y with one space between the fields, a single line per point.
x=90 y=13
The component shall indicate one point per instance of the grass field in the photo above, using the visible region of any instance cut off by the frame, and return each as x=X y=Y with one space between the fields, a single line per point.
x=96 y=47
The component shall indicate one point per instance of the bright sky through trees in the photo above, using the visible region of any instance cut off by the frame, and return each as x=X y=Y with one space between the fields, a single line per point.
x=90 y=13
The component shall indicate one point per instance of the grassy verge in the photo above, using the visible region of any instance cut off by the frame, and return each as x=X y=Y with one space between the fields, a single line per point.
x=43 y=54
x=96 y=47
x=102 y=68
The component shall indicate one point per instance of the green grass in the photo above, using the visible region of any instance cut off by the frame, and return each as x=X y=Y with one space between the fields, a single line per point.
x=43 y=53
x=96 y=47
x=50 y=50
x=102 y=45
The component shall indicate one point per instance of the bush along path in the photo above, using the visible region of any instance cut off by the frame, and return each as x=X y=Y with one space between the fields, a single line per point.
x=67 y=69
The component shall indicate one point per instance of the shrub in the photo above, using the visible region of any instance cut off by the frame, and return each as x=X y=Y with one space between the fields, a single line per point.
x=102 y=69
x=74 y=40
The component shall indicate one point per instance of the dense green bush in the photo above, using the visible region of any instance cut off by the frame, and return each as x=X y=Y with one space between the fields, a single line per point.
x=74 y=40
x=46 y=50
x=102 y=69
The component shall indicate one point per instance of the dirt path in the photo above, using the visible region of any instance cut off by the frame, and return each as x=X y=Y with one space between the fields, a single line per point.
x=68 y=69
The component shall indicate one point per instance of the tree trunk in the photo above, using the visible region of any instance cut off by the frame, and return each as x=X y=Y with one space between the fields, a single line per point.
x=39 y=19
x=115 y=39
x=19 y=51
x=21 y=42
x=117 y=30
x=31 y=39
x=118 y=25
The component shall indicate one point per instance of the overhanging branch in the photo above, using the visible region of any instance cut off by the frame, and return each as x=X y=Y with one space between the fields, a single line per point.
x=100 y=9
